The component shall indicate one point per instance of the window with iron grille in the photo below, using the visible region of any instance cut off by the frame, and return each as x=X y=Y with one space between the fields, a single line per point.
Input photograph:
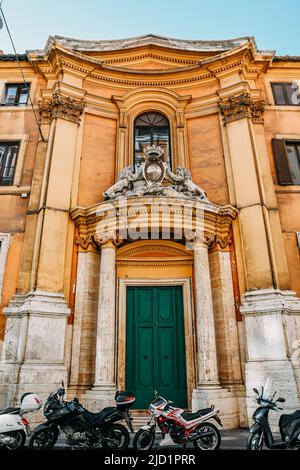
x=287 y=159
x=149 y=129
x=8 y=160
x=286 y=94
x=16 y=94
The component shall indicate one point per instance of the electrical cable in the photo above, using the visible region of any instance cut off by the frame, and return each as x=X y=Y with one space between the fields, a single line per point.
x=21 y=71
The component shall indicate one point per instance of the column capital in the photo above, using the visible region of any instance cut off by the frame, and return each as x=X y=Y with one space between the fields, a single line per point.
x=242 y=106
x=60 y=106
x=106 y=240
x=210 y=240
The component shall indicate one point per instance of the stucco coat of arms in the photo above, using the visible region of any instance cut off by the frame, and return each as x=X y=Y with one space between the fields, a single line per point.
x=152 y=179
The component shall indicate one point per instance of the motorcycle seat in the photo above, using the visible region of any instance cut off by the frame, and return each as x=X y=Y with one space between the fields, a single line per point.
x=95 y=418
x=190 y=416
x=286 y=419
x=10 y=411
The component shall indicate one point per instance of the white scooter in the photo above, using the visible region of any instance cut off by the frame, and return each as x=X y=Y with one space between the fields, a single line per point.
x=13 y=427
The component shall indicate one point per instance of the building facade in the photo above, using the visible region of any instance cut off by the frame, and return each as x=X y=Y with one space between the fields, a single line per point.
x=149 y=230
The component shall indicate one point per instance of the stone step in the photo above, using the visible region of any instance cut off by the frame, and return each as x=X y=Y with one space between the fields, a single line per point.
x=140 y=418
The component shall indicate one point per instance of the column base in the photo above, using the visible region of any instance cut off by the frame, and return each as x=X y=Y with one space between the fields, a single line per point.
x=272 y=324
x=99 y=397
x=282 y=375
x=230 y=402
x=33 y=356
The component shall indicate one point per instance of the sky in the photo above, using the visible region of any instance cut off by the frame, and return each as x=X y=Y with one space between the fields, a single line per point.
x=274 y=23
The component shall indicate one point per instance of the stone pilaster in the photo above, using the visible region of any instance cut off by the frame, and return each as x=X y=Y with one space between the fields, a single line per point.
x=39 y=315
x=104 y=387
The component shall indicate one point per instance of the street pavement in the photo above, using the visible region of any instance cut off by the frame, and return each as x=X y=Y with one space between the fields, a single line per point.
x=230 y=440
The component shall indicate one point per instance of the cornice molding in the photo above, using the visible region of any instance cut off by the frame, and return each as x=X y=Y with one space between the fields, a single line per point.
x=107 y=221
x=59 y=57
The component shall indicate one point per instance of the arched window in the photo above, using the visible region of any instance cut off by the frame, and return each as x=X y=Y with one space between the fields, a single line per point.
x=151 y=128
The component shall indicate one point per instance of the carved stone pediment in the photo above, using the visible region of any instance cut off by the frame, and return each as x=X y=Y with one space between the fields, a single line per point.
x=152 y=179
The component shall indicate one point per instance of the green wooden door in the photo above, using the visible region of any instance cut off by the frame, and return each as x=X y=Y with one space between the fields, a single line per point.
x=155 y=349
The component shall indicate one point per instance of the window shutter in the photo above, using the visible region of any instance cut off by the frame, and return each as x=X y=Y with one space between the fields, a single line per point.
x=281 y=160
x=278 y=93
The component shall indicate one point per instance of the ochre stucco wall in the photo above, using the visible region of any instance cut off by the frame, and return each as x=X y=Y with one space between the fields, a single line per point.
x=97 y=168
x=206 y=157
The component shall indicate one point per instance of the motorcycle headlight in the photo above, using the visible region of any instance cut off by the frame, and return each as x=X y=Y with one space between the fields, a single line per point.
x=152 y=409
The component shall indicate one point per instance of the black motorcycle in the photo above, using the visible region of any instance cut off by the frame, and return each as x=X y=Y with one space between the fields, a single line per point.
x=81 y=427
x=260 y=432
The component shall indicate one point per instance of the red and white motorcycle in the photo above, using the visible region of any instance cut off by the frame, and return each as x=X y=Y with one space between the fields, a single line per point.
x=179 y=427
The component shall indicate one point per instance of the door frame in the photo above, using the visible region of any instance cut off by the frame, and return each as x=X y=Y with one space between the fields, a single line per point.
x=189 y=327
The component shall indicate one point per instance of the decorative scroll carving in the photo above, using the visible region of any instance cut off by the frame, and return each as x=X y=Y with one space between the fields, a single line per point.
x=61 y=106
x=257 y=109
x=85 y=241
x=242 y=106
x=148 y=180
x=102 y=238
x=223 y=240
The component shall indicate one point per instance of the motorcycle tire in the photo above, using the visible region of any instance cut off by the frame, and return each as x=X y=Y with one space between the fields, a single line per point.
x=143 y=440
x=208 y=442
x=20 y=438
x=43 y=439
x=255 y=440
x=121 y=436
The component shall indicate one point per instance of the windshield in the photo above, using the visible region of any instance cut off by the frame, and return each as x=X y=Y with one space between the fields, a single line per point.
x=158 y=401
x=268 y=388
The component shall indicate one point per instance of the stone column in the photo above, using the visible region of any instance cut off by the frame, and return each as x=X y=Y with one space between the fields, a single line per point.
x=207 y=368
x=104 y=388
x=228 y=353
x=85 y=322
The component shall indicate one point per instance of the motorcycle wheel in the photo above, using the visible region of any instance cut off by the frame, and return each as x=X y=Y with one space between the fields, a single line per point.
x=208 y=442
x=143 y=440
x=43 y=439
x=120 y=437
x=20 y=438
x=255 y=440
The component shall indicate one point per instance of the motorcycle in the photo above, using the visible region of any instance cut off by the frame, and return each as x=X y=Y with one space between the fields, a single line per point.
x=179 y=427
x=81 y=427
x=13 y=426
x=260 y=432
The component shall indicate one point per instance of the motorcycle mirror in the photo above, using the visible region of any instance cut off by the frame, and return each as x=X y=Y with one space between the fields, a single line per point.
x=281 y=400
x=155 y=393
x=255 y=391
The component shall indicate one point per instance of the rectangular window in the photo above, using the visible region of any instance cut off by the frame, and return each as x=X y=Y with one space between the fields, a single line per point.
x=287 y=159
x=16 y=94
x=8 y=161
x=285 y=94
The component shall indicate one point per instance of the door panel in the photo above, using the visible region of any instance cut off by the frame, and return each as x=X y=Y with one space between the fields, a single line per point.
x=145 y=357
x=155 y=348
